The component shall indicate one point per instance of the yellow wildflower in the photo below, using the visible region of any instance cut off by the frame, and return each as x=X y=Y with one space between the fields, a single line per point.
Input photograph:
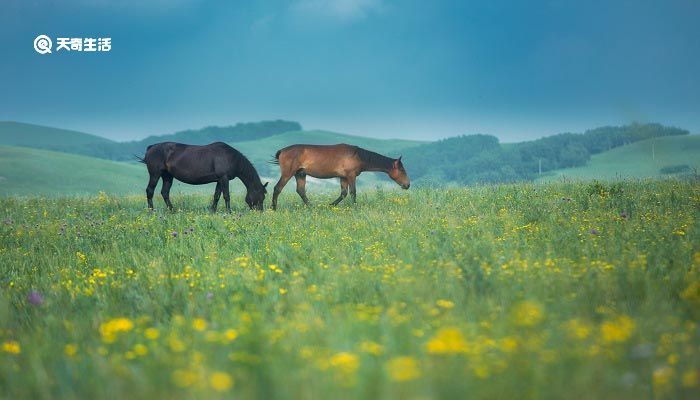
x=199 y=324
x=508 y=344
x=371 y=348
x=140 y=350
x=576 y=329
x=403 y=369
x=221 y=381
x=690 y=378
x=12 y=347
x=70 y=349
x=447 y=341
x=528 y=313
x=617 y=330
x=692 y=292
x=111 y=328
x=151 y=333
x=345 y=362
x=230 y=335
x=662 y=377
x=176 y=344
x=446 y=304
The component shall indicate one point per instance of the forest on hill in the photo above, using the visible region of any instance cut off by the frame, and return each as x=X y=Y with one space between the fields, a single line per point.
x=482 y=159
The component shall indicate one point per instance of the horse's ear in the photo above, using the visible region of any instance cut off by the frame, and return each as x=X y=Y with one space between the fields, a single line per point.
x=400 y=158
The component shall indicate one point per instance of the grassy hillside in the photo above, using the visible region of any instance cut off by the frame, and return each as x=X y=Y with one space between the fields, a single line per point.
x=33 y=172
x=37 y=136
x=25 y=171
x=635 y=160
x=492 y=292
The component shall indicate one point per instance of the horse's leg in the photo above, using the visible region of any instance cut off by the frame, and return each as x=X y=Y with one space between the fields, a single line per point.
x=278 y=189
x=343 y=191
x=165 y=190
x=227 y=195
x=151 y=188
x=301 y=186
x=217 y=195
x=352 y=180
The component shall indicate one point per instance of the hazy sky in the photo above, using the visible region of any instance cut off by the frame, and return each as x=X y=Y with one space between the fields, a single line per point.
x=385 y=68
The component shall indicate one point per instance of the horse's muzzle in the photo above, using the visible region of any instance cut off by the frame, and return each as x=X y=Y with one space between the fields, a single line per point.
x=406 y=186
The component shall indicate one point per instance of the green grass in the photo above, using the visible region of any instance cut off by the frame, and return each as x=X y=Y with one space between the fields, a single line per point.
x=30 y=135
x=636 y=161
x=563 y=290
x=33 y=172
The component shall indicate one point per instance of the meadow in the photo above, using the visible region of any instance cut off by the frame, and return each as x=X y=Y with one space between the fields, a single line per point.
x=643 y=159
x=561 y=290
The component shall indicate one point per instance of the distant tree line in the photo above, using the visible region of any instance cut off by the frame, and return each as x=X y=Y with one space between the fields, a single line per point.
x=122 y=151
x=482 y=159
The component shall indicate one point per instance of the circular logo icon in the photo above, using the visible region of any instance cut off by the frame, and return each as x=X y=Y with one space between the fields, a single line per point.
x=42 y=44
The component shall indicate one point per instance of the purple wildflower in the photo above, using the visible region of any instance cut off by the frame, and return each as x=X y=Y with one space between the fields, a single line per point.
x=35 y=298
x=594 y=231
x=173 y=234
x=210 y=296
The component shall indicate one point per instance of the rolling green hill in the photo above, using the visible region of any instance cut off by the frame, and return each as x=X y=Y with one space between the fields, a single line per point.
x=635 y=160
x=26 y=172
x=33 y=172
x=38 y=136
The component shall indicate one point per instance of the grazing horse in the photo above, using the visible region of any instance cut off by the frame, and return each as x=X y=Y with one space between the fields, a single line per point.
x=197 y=165
x=334 y=161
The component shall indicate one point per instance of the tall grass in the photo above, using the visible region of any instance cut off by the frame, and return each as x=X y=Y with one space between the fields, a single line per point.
x=513 y=291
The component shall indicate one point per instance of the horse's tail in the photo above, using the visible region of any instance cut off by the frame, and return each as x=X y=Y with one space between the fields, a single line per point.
x=276 y=160
x=143 y=159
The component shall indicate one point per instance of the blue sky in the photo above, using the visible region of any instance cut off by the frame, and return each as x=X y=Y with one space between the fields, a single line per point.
x=382 y=68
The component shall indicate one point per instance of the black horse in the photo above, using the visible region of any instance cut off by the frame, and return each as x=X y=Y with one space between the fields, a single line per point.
x=197 y=165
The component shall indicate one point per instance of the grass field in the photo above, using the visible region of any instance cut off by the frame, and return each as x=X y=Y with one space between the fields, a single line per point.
x=515 y=291
x=32 y=172
x=636 y=160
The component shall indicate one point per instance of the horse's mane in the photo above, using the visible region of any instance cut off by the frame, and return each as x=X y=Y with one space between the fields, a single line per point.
x=247 y=172
x=374 y=160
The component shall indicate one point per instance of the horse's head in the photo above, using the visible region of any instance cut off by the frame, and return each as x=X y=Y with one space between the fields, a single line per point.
x=398 y=174
x=256 y=197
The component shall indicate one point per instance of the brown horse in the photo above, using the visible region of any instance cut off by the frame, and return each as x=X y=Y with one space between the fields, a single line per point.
x=334 y=161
